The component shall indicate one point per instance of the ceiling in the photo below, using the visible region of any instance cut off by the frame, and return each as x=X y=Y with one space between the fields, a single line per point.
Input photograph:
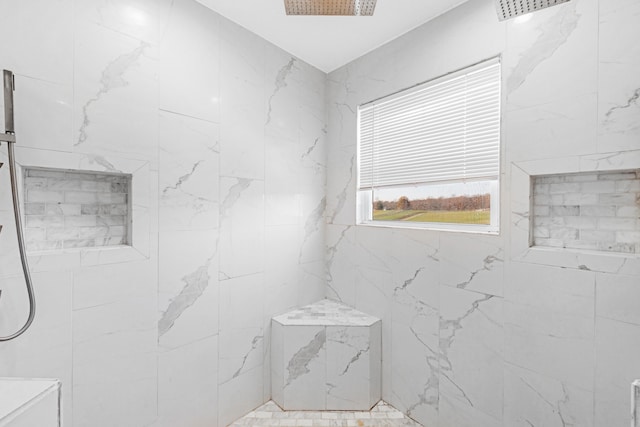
x=328 y=42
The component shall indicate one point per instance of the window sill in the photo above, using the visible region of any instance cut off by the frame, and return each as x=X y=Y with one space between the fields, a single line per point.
x=458 y=228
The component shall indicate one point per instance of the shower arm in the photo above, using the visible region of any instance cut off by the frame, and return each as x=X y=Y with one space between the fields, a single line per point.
x=9 y=137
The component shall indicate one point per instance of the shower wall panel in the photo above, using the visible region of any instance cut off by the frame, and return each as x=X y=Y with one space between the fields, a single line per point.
x=222 y=133
x=485 y=330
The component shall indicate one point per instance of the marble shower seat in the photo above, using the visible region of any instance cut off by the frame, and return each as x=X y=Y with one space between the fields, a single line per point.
x=326 y=356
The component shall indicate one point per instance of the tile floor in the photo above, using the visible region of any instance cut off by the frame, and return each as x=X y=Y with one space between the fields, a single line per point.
x=270 y=415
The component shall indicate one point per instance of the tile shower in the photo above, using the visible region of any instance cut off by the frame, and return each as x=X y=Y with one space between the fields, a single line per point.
x=240 y=154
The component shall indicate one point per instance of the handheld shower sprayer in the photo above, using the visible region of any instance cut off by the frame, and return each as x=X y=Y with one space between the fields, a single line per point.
x=9 y=137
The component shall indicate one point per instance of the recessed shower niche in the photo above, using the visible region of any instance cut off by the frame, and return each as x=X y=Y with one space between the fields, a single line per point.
x=66 y=209
x=597 y=210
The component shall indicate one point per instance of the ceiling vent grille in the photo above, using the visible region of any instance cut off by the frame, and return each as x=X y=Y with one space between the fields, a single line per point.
x=508 y=9
x=330 y=7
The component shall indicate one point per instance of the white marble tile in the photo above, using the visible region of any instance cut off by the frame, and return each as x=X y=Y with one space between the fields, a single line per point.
x=616 y=298
x=452 y=413
x=241 y=227
x=569 y=128
x=45 y=350
x=472 y=263
x=415 y=368
x=189 y=69
x=243 y=108
x=560 y=290
x=415 y=329
x=555 y=344
x=616 y=367
x=374 y=276
x=43 y=49
x=43 y=114
x=326 y=312
x=375 y=363
x=281 y=273
x=471 y=352
x=349 y=374
x=188 y=385
x=341 y=185
x=312 y=210
x=283 y=79
x=551 y=56
x=282 y=198
x=114 y=81
x=114 y=345
x=276 y=359
x=618 y=70
x=533 y=399
x=187 y=288
x=239 y=396
x=340 y=261
x=188 y=166
x=312 y=283
x=305 y=363
x=242 y=325
x=136 y=18
x=341 y=116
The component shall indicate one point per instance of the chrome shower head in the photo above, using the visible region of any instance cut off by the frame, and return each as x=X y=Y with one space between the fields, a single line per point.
x=508 y=9
x=330 y=7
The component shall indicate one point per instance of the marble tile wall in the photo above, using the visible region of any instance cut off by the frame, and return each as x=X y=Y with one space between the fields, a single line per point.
x=482 y=330
x=223 y=134
x=230 y=140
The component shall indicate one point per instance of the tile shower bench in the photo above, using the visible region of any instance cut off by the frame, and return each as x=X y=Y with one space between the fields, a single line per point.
x=326 y=356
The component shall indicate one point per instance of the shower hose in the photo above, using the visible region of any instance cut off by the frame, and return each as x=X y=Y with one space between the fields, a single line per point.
x=10 y=139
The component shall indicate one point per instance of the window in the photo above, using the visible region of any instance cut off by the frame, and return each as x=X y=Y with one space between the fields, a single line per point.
x=429 y=156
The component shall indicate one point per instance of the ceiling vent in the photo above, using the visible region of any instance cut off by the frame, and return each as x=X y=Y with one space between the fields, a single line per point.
x=508 y=9
x=330 y=7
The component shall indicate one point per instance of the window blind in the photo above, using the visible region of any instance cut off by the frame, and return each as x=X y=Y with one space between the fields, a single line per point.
x=444 y=130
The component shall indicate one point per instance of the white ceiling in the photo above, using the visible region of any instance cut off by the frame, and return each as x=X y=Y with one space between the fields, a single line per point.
x=328 y=42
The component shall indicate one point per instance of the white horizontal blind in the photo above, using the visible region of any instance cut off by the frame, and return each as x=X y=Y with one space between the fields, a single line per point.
x=444 y=130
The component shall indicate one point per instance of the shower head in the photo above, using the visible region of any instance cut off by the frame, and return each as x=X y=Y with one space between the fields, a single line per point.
x=330 y=7
x=508 y=9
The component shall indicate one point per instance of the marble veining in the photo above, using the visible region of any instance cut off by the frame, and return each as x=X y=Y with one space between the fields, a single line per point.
x=633 y=100
x=341 y=198
x=325 y=356
x=182 y=179
x=326 y=312
x=448 y=331
x=112 y=78
x=331 y=252
x=195 y=285
x=312 y=224
x=234 y=194
x=298 y=364
x=102 y=162
x=280 y=83
x=487 y=265
x=552 y=35
x=255 y=342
